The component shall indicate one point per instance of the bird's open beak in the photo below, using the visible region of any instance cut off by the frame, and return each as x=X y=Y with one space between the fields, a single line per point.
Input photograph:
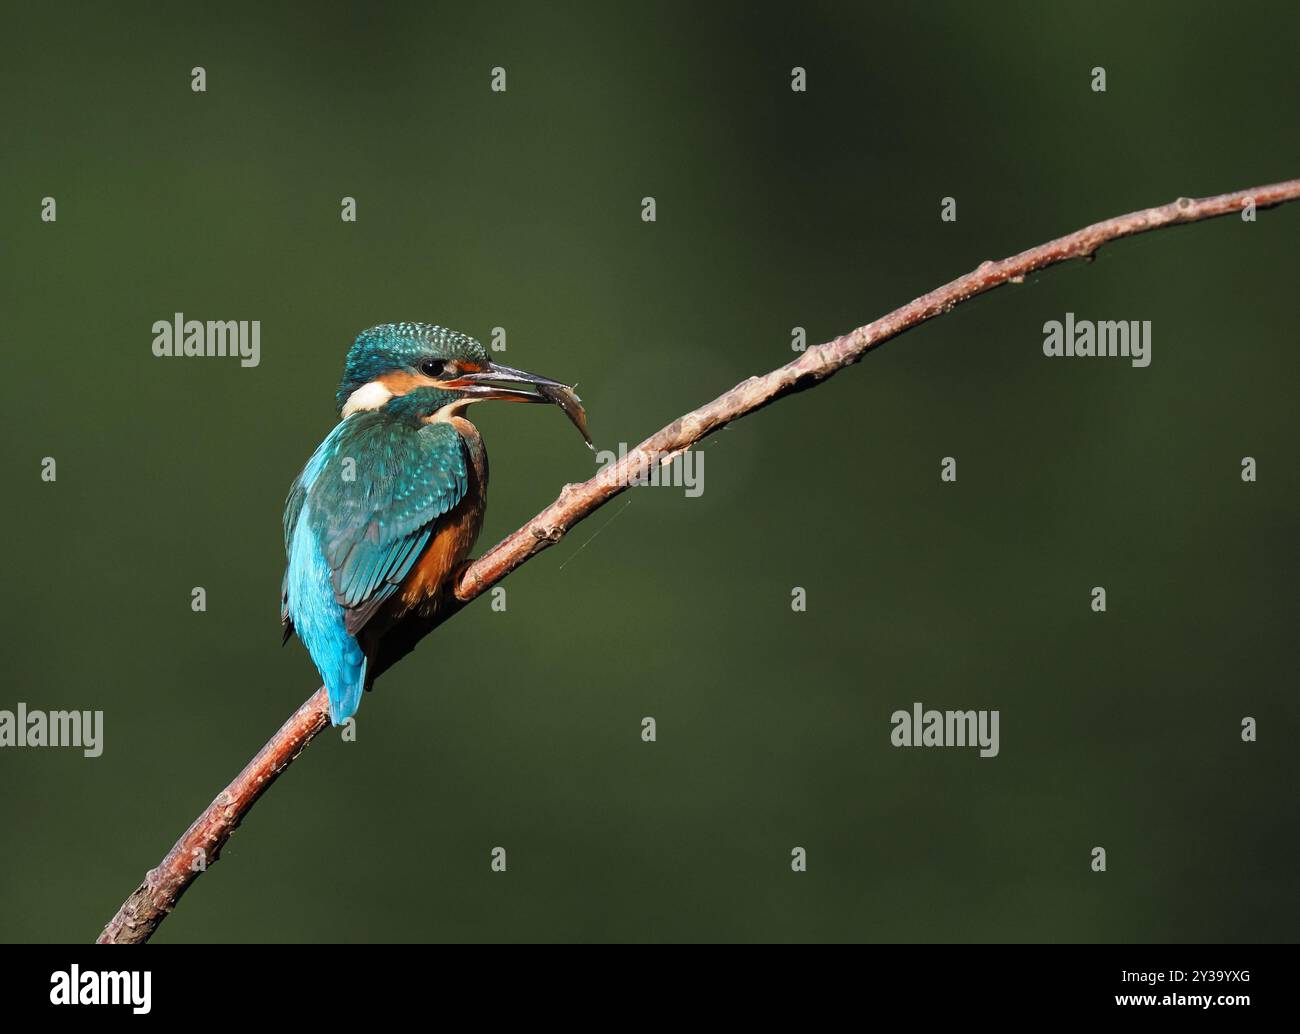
x=493 y=383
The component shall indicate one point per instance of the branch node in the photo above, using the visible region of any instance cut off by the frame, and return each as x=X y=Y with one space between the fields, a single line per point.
x=546 y=533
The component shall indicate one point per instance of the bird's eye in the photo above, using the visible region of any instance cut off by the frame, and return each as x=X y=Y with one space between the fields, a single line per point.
x=432 y=367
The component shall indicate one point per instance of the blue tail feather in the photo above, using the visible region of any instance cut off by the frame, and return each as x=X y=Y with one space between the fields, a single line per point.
x=319 y=621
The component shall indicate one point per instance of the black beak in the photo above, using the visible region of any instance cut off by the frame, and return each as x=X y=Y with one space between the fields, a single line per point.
x=493 y=383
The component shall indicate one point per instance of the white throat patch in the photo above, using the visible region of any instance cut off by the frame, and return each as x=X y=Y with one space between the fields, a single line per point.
x=374 y=395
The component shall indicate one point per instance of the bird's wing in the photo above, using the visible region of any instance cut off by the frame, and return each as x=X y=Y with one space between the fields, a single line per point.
x=373 y=502
x=293 y=510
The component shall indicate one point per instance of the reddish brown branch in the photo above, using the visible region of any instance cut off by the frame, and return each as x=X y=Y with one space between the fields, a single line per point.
x=201 y=844
x=140 y=915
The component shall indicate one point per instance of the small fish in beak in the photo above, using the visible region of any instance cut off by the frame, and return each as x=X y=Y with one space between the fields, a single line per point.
x=488 y=384
x=567 y=399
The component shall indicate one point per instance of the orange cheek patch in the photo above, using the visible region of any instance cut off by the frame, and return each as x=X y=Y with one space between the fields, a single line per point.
x=403 y=382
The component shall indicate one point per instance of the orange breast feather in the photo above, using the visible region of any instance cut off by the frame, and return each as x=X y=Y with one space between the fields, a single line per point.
x=450 y=544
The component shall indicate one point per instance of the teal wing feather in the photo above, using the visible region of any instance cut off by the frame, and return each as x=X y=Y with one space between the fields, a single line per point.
x=374 y=502
x=292 y=511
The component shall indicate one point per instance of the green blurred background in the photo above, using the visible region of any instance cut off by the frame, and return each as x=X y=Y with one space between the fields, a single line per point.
x=775 y=209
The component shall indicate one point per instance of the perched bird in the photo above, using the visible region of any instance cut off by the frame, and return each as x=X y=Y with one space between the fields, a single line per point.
x=390 y=503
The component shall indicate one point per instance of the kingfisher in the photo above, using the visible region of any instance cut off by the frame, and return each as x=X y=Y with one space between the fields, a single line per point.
x=390 y=503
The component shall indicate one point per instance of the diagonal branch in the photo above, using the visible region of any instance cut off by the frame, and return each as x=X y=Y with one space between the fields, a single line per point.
x=201 y=844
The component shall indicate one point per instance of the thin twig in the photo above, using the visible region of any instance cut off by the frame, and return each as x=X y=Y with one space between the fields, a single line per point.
x=201 y=844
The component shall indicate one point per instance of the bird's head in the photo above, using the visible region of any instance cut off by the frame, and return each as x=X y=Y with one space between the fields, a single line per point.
x=422 y=372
